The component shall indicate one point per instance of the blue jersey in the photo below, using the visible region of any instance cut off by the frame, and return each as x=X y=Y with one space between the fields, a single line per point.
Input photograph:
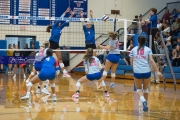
x=50 y=63
x=153 y=20
x=89 y=34
x=56 y=31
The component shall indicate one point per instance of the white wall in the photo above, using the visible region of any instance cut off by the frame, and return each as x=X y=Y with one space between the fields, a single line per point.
x=128 y=8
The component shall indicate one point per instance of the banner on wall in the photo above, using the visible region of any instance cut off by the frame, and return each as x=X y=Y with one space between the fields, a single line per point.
x=78 y=6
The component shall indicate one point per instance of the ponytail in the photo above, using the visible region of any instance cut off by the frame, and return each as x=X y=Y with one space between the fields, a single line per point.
x=89 y=55
x=141 y=41
x=48 y=29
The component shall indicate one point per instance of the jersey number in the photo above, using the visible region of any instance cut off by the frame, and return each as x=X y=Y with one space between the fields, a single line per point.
x=48 y=59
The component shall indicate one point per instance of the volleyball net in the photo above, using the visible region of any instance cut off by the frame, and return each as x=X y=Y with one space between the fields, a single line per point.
x=72 y=34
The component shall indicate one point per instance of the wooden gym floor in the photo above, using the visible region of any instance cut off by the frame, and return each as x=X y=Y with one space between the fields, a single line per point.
x=123 y=103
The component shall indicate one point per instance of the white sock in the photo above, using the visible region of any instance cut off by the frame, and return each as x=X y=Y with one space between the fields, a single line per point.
x=142 y=99
x=54 y=94
x=28 y=93
x=64 y=71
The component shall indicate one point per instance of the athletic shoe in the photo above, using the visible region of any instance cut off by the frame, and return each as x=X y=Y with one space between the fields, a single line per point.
x=54 y=99
x=145 y=107
x=25 y=97
x=112 y=86
x=45 y=91
x=107 y=94
x=66 y=75
x=24 y=76
x=38 y=91
x=75 y=95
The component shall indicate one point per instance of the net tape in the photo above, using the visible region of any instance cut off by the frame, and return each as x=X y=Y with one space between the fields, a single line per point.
x=57 y=18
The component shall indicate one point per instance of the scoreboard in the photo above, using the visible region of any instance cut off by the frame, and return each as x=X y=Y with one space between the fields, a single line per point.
x=39 y=8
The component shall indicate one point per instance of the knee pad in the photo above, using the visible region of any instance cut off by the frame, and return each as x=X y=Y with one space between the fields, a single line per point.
x=29 y=84
x=139 y=90
x=104 y=73
x=146 y=90
x=113 y=75
x=78 y=84
x=61 y=65
x=32 y=73
x=53 y=85
x=103 y=83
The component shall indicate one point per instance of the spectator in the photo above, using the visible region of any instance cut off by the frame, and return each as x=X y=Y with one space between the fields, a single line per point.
x=175 y=27
x=9 y=53
x=144 y=26
x=168 y=43
x=166 y=28
x=159 y=25
x=176 y=56
x=161 y=51
x=127 y=58
x=179 y=13
x=178 y=40
x=33 y=46
x=14 y=46
x=152 y=26
x=140 y=18
x=100 y=55
x=174 y=15
x=135 y=24
x=17 y=53
x=129 y=37
x=65 y=57
x=166 y=15
x=26 y=54
x=1 y=68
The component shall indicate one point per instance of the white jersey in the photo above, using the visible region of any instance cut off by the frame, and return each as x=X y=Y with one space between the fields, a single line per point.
x=94 y=66
x=141 y=59
x=40 y=55
x=114 y=47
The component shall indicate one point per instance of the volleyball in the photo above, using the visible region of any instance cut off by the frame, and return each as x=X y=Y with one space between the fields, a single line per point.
x=105 y=18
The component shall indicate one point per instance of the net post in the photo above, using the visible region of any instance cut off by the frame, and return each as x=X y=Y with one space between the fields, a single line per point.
x=125 y=34
x=167 y=57
x=114 y=24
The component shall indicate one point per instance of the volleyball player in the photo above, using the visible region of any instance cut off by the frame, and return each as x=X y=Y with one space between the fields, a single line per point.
x=141 y=59
x=55 y=38
x=89 y=32
x=37 y=67
x=17 y=53
x=92 y=69
x=113 y=56
x=49 y=70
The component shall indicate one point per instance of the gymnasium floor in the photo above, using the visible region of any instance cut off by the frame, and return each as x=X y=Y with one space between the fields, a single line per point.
x=123 y=103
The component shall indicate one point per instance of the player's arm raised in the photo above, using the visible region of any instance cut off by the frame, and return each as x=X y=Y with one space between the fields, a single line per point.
x=82 y=16
x=91 y=15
